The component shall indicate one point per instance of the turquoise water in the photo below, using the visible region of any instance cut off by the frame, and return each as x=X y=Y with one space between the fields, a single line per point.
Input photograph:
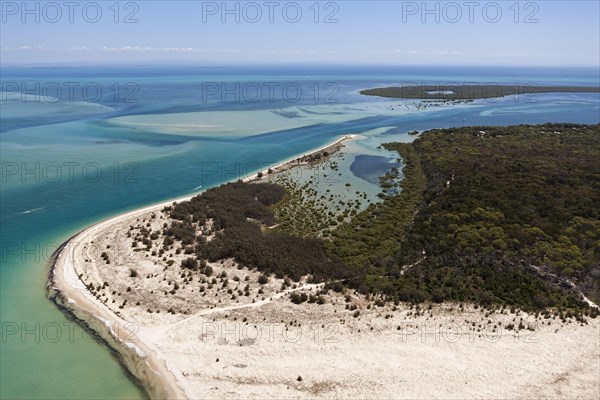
x=67 y=163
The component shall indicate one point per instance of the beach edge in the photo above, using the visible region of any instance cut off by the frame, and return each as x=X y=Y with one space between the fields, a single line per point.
x=67 y=292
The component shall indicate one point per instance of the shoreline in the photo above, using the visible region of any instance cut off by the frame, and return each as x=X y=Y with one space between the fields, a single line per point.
x=72 y=297
x=68 y=292
x=291 y=162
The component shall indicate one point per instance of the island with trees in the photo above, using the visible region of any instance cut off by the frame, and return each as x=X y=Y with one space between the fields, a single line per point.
x=449 y=92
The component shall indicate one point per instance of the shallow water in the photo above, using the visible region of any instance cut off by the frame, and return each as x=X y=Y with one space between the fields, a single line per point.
x=69 y=163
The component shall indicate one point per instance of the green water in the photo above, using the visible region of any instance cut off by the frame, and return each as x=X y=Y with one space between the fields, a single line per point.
x=43 y=354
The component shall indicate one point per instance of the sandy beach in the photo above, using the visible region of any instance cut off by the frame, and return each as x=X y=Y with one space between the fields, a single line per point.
x=68 y=291
x=301 y=159
x=183 y=334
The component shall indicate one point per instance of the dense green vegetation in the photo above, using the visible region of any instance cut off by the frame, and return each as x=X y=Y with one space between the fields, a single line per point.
x=314 y=205
x=237 y=217
x=372 y=237
x=470 y=92
x=497 y=201
x=500 y=200
x=491 y=215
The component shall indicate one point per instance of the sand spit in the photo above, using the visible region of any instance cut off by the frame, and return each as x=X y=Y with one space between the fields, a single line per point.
x=189 y=334
x=301 y=160
x=69 y=293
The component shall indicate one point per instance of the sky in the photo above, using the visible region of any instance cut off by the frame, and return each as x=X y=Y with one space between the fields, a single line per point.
x=531 y=33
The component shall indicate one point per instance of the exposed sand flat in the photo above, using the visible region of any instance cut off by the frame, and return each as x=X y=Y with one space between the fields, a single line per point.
x=336 y=361
x=227 y=336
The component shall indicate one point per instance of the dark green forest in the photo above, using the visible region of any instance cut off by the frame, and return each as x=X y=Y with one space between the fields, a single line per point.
x=472 y=92
x=503 y=210
x=500 y=200
x=492 y=215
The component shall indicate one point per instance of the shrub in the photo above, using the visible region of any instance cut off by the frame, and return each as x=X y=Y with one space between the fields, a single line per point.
x=337 y=287
x=298 y=298
x=189 y=263
x=437 y=296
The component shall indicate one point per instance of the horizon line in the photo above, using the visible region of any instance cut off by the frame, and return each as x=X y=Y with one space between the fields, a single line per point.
x=223 y=64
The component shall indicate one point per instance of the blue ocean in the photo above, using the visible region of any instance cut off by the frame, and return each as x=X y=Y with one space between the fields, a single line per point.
x=79 y=144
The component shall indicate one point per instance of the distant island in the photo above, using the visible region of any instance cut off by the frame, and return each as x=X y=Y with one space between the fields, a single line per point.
x=484 y=246
x=471 y=91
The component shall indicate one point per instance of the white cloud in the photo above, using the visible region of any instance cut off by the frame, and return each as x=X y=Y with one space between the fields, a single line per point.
x=21 y=48
x=137 y=49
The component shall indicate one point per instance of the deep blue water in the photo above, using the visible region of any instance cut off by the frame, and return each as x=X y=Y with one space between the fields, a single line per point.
x=65 y=166
x=370 y=168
